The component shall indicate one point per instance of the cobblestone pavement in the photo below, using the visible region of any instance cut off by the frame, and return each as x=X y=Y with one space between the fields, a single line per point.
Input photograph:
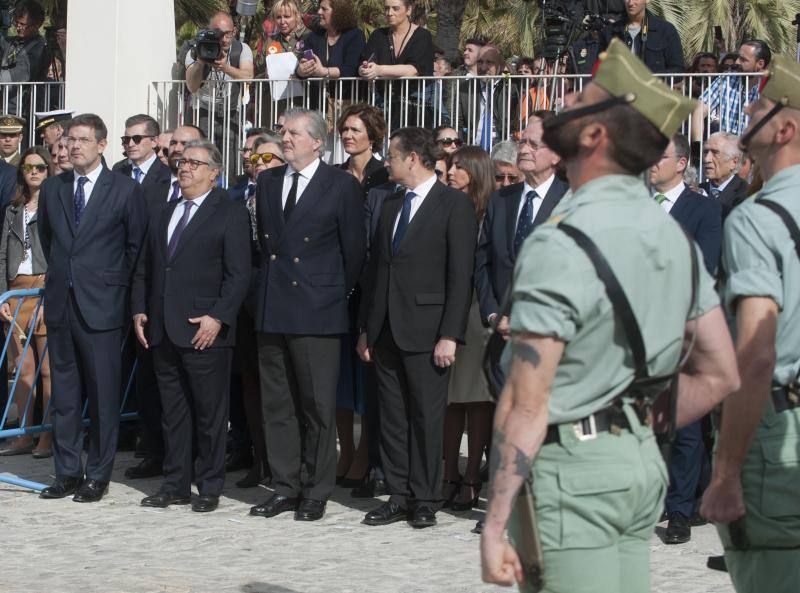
x=116 y=546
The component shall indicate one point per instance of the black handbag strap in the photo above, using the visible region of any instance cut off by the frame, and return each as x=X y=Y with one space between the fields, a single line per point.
x=619 y=301
x=787 y=219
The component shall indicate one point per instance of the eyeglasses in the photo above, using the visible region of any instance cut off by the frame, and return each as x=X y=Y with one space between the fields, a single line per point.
x=529 y=143
x=82 y=141
x=27 y=168
x=506 y=177
x=136 y=139
x=264 y=157
x=228 y=34
x=449 y=142
x=191 y=163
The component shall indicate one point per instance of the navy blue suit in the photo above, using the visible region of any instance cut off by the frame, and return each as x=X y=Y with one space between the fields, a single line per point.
x=86 y=310
x=701 y=217
x=310 y=264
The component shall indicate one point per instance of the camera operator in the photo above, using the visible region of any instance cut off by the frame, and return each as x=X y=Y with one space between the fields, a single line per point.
x=25 y=58
x=653 y=40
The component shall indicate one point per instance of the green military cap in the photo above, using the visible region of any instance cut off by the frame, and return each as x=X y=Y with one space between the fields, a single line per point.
x=782 y=83
x=623 y=75
x=11 y=124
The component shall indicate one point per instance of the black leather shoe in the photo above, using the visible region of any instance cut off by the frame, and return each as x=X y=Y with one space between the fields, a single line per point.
x=696 y=520
x=310 y=510
x=678 y=529
x=275 y=505
x=162 y=500
x=388 y=512
x=91 y=491
x=205 y=503
x=370 y=489
x=147 y=468
x=717 y=563
x=478 y=527
x=61 y=488
x=422 y=516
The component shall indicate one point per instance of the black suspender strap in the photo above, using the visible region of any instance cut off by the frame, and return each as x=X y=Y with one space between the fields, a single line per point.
x=787 y=219
x=620 y=303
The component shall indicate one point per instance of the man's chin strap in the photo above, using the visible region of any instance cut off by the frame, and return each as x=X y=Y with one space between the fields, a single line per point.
x=745 y=140
x=567 y=116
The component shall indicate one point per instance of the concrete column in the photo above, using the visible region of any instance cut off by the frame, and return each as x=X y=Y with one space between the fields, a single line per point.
x=115 y=49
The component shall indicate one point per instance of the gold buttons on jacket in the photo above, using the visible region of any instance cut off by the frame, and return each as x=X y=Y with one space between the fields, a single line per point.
x=296 y=260
x=294 y=282
x=273 y=257
x=306 y=239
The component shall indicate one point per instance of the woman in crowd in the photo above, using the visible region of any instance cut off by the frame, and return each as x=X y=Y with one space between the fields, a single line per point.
x=470 y=170
x=337 y=44
x=400 y=50
x=362 y=130
x=267 y=153
x=22 y=266
x=447 y=139
x=290 y=33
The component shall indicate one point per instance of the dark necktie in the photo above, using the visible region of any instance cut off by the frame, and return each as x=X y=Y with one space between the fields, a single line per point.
x=402 y=224
x=137 y=174
x=291 y=199
x=176 y=191
x=176 y=234
x=486 y=127
x=524 y=222
x=80 y=199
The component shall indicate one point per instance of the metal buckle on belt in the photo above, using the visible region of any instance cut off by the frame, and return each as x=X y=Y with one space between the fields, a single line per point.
x=585 y=429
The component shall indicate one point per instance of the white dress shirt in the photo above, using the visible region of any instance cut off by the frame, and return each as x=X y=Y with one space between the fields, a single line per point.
x=145 y=167
x=672 y=196
x=541 y=192
x=89 y=185
x=178 y=213
x=721 y=187
x=302 y=181
x=172 y=180
x=420 y=193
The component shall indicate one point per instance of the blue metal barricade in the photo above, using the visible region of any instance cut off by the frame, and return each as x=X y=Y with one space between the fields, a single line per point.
x=26 y=413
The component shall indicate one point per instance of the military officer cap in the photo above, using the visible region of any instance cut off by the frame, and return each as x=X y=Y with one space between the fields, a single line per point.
x=48 y=118
x=626 y=78
x=11 y=124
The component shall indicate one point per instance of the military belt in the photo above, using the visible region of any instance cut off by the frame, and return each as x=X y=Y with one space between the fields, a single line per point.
x=611 y=419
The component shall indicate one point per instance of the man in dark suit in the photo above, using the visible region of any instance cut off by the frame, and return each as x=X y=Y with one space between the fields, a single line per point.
x=91 y=224
x=511 y=215
x=189 y=285
x=417 y=296
x=701 y=218
x=653 y=40
x=722 y=158
x=159 y=191
x=311 y=230
x=484 y=116
x=140 y=143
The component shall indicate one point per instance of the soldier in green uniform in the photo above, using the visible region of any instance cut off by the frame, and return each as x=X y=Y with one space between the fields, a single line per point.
x=754 y=494
x=573 y=416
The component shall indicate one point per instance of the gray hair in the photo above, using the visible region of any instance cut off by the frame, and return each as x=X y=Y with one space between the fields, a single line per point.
x=271 y=137
x=214 y=155
x=505 y=152
x=691 y=178
x=316 y=126
x=731 y=144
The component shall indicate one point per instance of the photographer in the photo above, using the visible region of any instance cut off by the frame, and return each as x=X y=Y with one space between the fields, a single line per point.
x=651 y=39
x=25 y=58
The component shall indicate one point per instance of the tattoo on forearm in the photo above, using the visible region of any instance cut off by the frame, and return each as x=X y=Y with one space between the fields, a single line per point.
x=521 y=465
x=525 y=353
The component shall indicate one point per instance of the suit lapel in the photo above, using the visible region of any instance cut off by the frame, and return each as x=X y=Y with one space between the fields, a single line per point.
x=512 y=206
x=311 y=194
x=425 y=213
x=391 y=207
x=163 y=225
x=96 y=200
x=549 y=202
x=680 y=204
x=67 y=199
x=274 y=200
x=206 y=210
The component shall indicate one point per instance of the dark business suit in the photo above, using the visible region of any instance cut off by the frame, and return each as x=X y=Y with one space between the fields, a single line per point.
x=413 y=298
x=504 y=105
x=701 y=218
x=495 y=256
x=733 y=194
x=157 y=174
x=660 y=48
x=310 y=263
x=208 y=274
x=86 y=310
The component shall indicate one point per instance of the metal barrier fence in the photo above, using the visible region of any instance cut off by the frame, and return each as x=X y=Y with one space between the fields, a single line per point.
x=24 y=403
x=25 y=99
x=226 y=110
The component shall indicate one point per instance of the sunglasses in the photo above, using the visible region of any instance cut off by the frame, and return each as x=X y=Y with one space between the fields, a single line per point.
x=27 y=168
x=136 y=139
x=449 y=142
x=506 y=177
x=264 y=157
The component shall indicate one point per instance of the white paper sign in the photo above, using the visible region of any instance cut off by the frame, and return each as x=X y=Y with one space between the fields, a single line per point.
x=280 y=68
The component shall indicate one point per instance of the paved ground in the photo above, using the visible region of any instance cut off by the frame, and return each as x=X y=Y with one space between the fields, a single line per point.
x=116 y=546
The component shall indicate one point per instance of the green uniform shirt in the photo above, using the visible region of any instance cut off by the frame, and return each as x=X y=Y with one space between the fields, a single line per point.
x=557 y=292
x=760 y=260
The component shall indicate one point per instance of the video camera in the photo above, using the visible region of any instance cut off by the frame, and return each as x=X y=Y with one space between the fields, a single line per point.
x=564 y=22
x=207 y=45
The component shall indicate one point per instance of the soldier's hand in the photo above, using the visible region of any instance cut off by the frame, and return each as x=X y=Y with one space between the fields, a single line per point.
x=723 y=501
x=502 y=327
x=500 y=563
x=444 y=354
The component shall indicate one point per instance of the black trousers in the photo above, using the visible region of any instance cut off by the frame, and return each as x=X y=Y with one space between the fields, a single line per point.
x=194 y=388
x=83 y=359
x=412 y=395
x=149 y=405
x=298 y=375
